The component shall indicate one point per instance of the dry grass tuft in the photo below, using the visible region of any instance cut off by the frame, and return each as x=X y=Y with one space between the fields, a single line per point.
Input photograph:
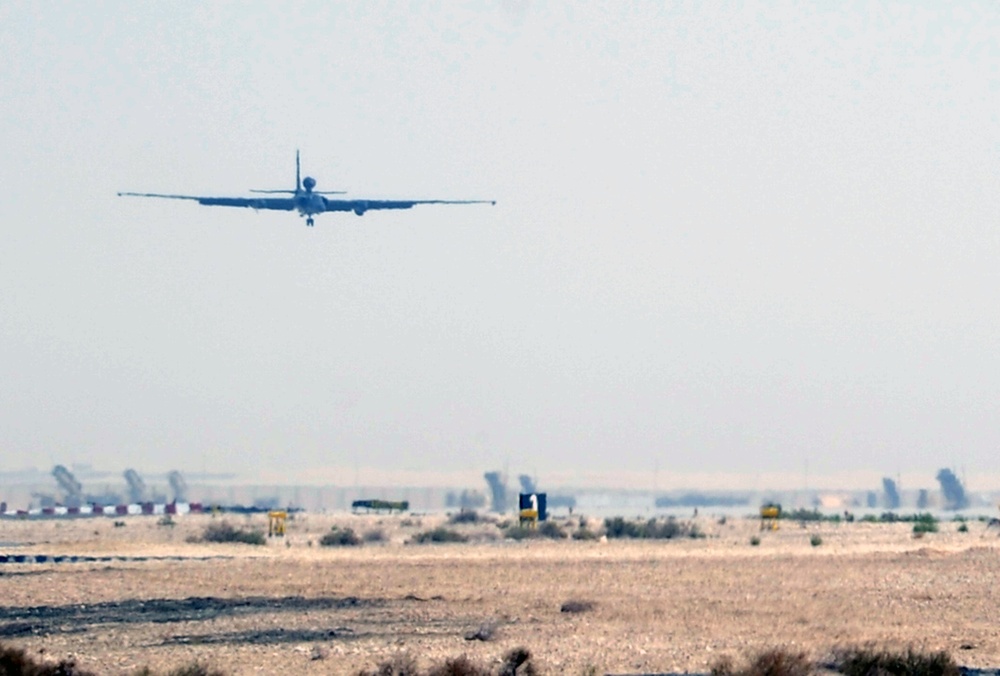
x=459 y=666
x=340 y=537
x=399 y=665
x=576 y=607
x=465 y=516
x=439 y=535
x=17 y=662
x=869 y=660
x=223 y=531
x=773 y=662
x=485 y=632
x=195 y=669
x=517 y=662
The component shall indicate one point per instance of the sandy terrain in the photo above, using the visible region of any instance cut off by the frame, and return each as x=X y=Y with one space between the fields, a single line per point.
x=659 y=606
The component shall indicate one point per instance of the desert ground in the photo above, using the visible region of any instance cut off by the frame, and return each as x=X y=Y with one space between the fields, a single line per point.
x=153 y=598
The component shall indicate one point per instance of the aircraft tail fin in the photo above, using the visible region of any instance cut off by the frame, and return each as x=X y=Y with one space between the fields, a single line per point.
x=298 y=182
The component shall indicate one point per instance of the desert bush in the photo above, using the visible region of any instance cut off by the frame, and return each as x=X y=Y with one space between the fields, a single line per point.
x=754 y=541
x=440 y=534
x=520 y=533
x=398 y=665
x=865 y=661
x=166 y=520
x=919 y=517
x=194 y=669
x=459 y=666
x=548 y=529
x=464 y=516
x=486 y=631
x=663 y=529
x=803 y=514
x=340 y=537
x=575 y=606
x=963 y=527
x=516 y=662
x=551 y=530
x=618 y=527
x=17 y=662
x=921 y=527
x=223 y=531
x=374 y=535
x=773 y=662
x=584 y=533
x=815 y=541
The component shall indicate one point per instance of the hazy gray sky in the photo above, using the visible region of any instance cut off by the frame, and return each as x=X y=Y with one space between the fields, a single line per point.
x=730 y=237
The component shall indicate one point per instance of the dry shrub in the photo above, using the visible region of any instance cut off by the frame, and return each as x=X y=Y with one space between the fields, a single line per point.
x=485 y=632
x=17 y=662
x=464 y=516
x=517 y=662
x=547 y=529
x=439 y=535
x=224 y=531
x=551 y=530
x=399 y=665
x=374 y=535
x=195 y=669
x=773 y=662
x=340 y=537
x=869 y=660
x=520 y=533
x=657 y=529
x=576 y=607
x=459 y=666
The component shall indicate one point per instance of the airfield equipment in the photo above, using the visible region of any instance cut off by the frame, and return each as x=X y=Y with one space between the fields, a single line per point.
x=532 y=509
x=276 y=523
x=379 y=505
x=136 y=486
x=770 y=512
x=305 y=199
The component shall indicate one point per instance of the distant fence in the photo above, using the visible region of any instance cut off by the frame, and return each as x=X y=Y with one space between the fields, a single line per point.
x=148 y=508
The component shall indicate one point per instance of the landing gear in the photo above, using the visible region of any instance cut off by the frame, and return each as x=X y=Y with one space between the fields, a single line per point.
x=310 y=222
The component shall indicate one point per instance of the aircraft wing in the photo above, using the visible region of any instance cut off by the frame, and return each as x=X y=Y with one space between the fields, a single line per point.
x=361 y=206
x=276 y=203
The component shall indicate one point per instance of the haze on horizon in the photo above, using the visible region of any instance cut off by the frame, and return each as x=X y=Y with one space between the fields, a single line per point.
x=728 y=239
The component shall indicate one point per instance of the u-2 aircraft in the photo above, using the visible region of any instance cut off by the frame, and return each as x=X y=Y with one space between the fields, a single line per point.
x=305 y=199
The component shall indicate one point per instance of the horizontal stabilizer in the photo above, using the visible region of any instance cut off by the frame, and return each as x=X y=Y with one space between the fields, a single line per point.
x=293 y=192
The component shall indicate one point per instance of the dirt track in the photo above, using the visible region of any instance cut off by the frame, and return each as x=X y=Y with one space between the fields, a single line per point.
x=658 y=606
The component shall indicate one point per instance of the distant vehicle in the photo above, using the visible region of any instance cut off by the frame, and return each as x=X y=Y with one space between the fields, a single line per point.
x=305 y=199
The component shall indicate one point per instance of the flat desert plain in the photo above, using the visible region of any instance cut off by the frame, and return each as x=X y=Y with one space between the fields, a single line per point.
x=294 y=607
